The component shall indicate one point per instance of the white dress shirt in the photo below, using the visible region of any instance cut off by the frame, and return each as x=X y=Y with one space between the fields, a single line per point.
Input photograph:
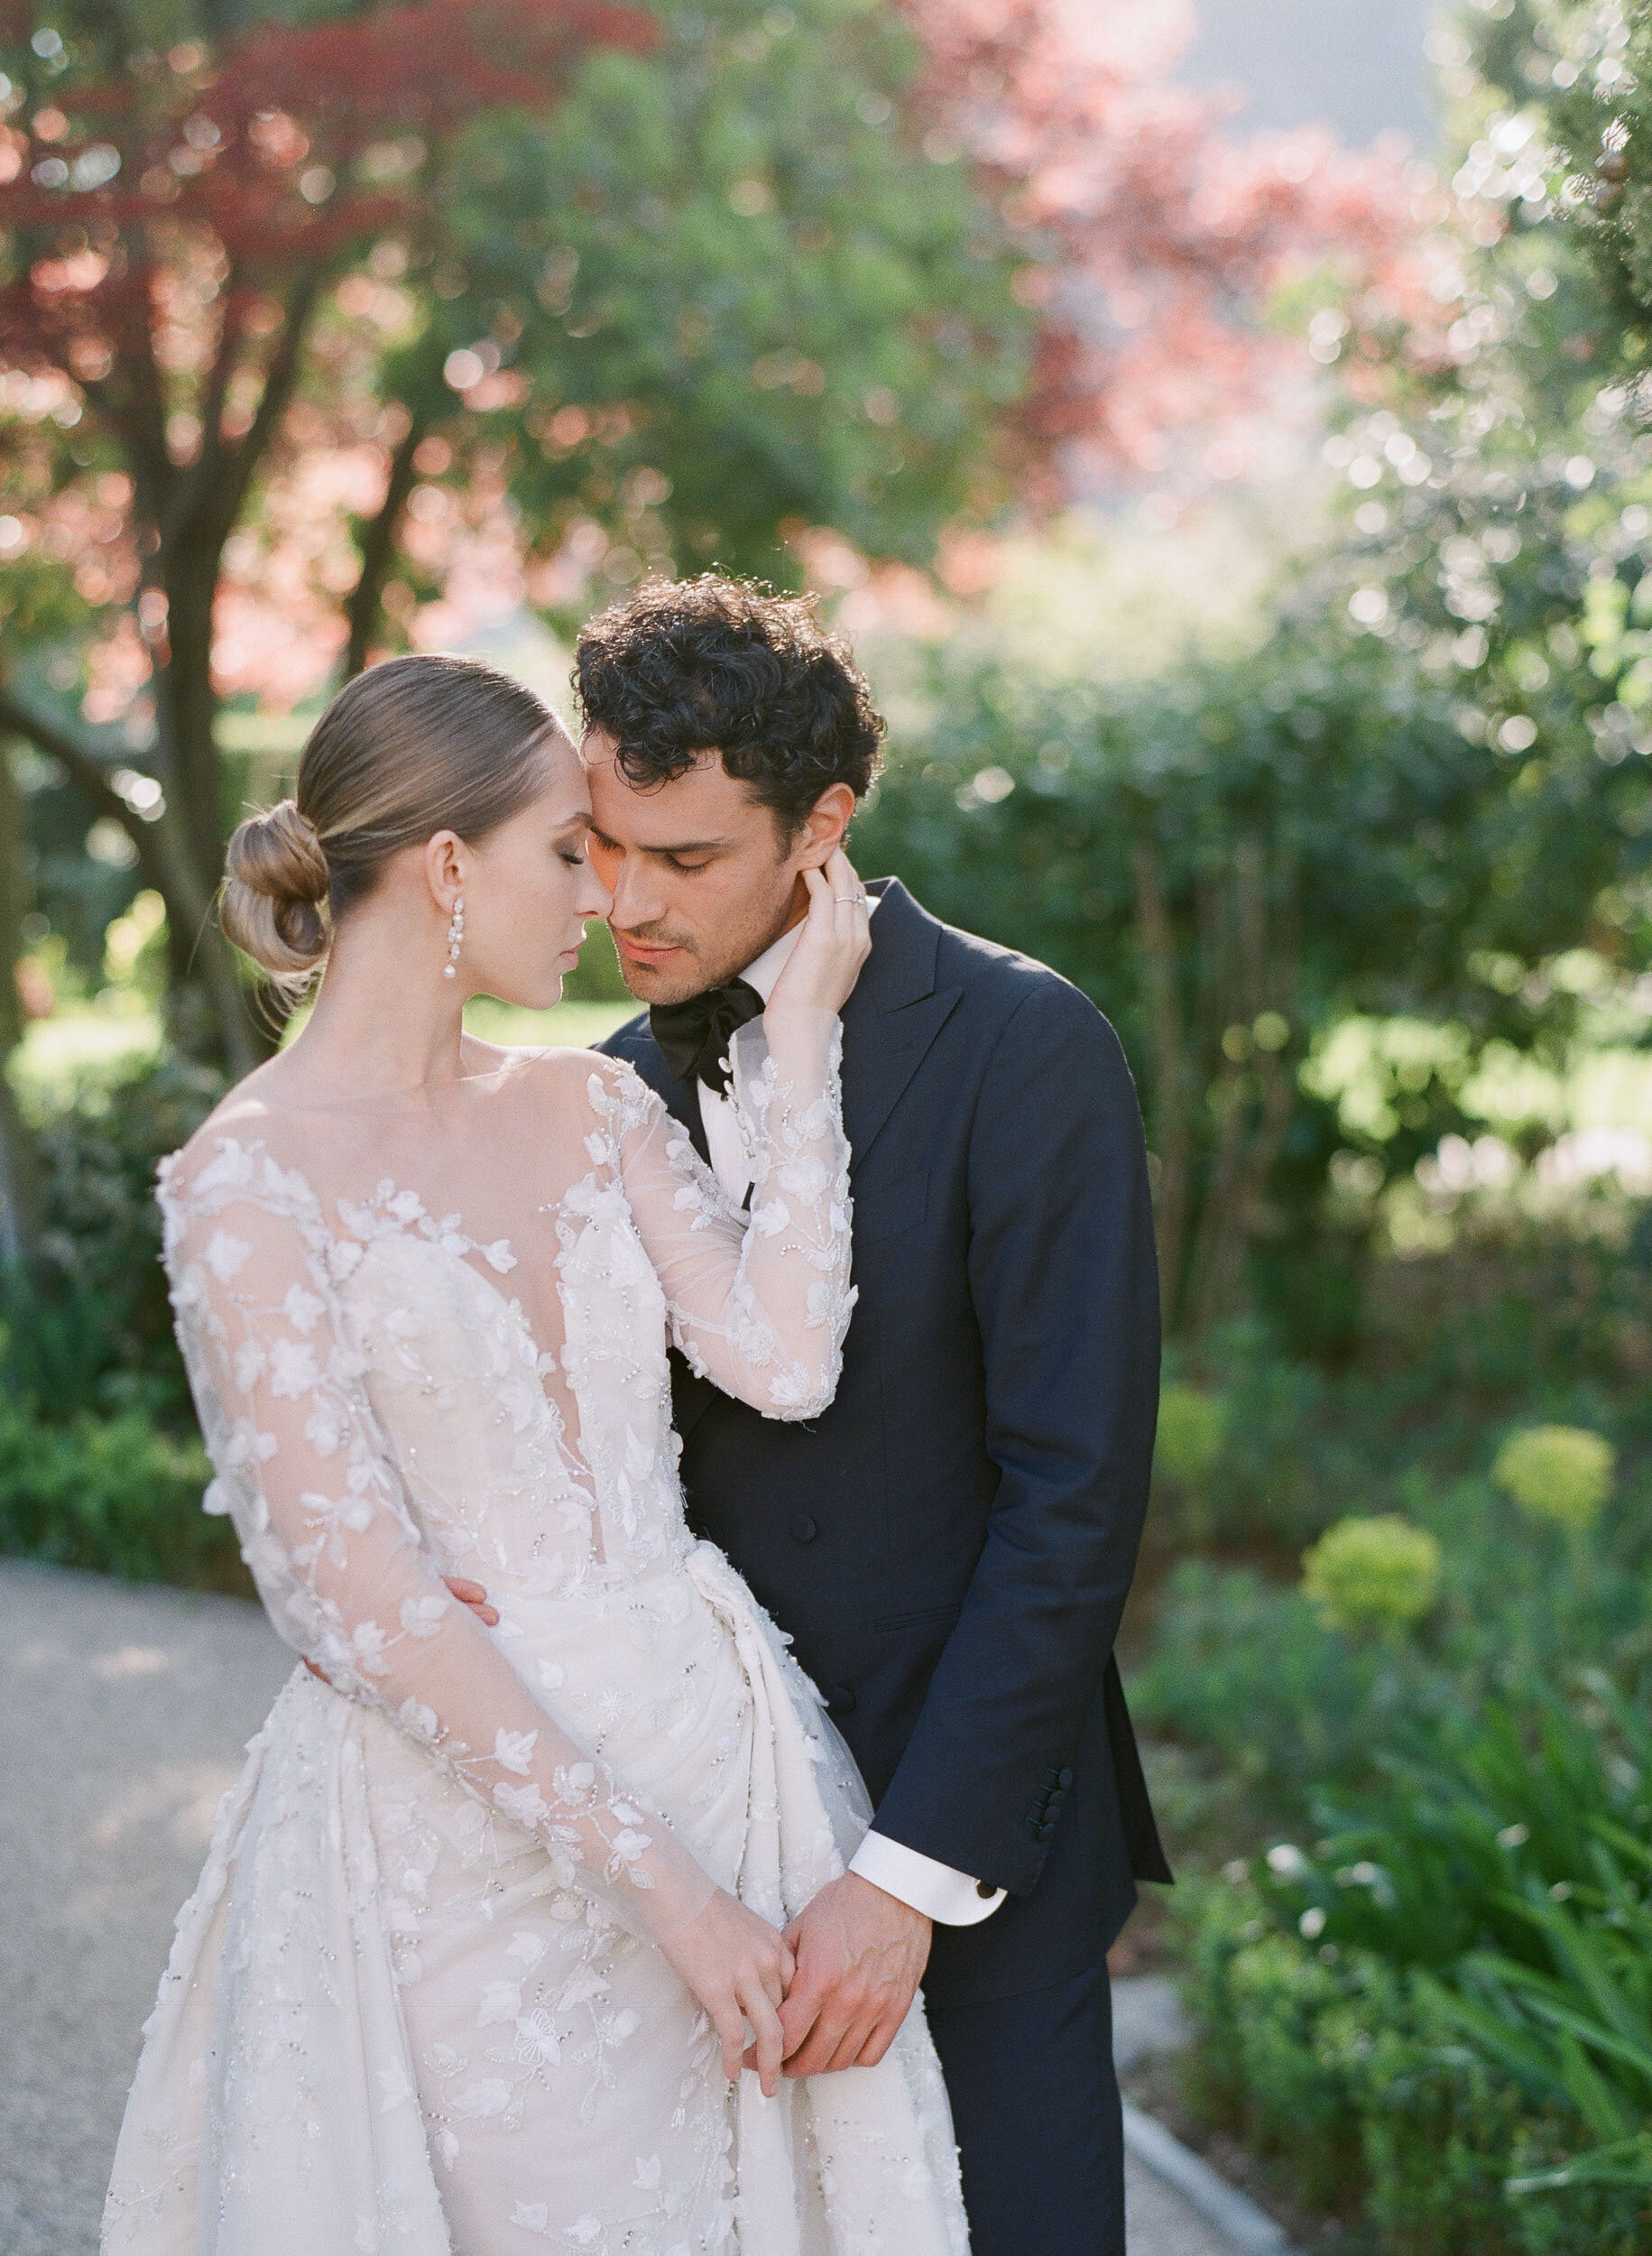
x=951 y=1898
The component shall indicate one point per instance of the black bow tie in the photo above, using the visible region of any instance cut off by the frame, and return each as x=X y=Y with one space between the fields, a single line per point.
x=694 y=1036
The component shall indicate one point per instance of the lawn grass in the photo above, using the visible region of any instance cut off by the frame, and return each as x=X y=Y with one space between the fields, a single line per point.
x=105 y=1042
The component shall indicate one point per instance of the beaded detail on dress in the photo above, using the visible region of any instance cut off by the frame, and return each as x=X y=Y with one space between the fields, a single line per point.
x=414 y=2006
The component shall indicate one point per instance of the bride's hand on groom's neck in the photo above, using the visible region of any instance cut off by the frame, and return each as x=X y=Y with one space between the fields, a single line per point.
x=834 y=941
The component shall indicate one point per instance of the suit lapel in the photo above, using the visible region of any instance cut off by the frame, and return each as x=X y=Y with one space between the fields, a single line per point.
x=892 y=1017
x=681 y=1098
x=683 y=1103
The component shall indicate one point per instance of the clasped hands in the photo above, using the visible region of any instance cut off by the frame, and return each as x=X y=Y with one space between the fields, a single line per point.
x=828 y=1994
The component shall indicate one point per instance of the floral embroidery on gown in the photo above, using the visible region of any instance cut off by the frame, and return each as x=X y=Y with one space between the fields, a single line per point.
x=413 y=2008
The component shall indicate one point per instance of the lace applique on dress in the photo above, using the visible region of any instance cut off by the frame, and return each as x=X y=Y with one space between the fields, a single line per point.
x=413 y=2008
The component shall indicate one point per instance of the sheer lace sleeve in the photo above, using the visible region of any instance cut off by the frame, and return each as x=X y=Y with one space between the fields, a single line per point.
x=302 y=1468
x=759 y=1303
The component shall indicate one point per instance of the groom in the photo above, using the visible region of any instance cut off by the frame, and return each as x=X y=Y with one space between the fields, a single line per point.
x=951 y=1544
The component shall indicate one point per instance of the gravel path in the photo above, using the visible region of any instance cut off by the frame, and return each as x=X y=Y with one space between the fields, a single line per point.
x=123 y=1714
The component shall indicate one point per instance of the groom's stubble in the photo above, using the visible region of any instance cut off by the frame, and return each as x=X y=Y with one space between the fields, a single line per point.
x=702 y=878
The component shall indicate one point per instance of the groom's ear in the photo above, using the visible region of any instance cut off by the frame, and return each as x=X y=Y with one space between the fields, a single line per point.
x=824 y=826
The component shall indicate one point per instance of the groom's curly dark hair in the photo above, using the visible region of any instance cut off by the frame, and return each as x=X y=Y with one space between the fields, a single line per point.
x=684 y=667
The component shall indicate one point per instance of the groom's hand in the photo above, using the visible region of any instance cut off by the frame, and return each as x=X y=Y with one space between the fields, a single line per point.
x=467 y=1593
x=860 y=1955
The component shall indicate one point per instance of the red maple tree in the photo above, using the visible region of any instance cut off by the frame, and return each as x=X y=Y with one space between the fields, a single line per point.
x=175 y=221
x=184 y=226
x=1155 y=233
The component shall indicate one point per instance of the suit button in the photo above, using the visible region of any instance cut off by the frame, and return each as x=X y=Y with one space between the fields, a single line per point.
x=1034 y=1827
x=1064 y=1780
x=985 y=1888
x=803 y=1529
x=840 y=1700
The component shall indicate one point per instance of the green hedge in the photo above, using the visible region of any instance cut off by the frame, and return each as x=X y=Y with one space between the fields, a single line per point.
x=100 y=1463
x=1353 y=2077
x=1449 y=1996
x=114 y=1495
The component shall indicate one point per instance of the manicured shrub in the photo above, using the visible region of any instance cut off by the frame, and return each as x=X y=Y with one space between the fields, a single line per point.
x=1377 y=1574
x=1191 y=1424
x=1559 y=1473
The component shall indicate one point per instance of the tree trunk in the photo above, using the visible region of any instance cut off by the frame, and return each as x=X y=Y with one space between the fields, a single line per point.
x=209 y=1002
x=378 y=549
x=187 y=713
x=1249 y=949
x=1173 y=1082
x=19 y=1171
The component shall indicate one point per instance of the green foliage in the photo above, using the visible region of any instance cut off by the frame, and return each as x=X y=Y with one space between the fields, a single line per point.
x=1559 y=1473
x=90 y=1329
x=1243 y=1674
x=1378 y=1573
x=1190 y=1429
x=117 y=1494
x=1230 y=861
x=1525 y=1325
x=1578 y=2032
x=1331 y=2063
x=1187 y=1452
x=1453 y=1990
x=1495 y=1808
x=1266 y=1705
x=742 y=297
x=100 y=1463
x=1587 y=73
x=1354 y=2075
x=1497 y=528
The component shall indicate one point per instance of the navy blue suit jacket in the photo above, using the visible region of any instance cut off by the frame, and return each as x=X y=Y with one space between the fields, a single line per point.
x=950 y=1545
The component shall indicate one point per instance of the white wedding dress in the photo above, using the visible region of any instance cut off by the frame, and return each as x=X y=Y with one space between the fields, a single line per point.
x=413 y=2008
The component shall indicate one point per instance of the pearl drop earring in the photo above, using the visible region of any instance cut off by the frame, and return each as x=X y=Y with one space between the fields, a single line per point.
x=456 y=939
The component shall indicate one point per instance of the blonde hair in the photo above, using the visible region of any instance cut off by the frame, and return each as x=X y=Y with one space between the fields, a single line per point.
x=412 y=746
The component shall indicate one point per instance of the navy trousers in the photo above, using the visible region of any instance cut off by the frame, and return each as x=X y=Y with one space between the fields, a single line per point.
x=1035 y=2104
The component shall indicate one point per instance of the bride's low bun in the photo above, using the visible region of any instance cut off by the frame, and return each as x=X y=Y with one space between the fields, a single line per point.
x=274 y=903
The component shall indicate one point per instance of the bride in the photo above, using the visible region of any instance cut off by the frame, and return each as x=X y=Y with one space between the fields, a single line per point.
x=493 y=1914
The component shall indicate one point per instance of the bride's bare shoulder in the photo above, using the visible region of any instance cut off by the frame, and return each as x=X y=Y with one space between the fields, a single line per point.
x=547 y=1075
x=273 y=1110
x=248 y=1110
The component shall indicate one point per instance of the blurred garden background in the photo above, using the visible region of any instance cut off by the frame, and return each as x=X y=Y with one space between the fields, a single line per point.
x=1227 y=440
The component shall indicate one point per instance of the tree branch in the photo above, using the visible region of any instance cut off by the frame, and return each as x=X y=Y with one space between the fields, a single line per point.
x=162 y=856
x=197 y=482
x=378 y=548
x=145 y=422
x=281 y=379
x=85 y=771
x=79 y=766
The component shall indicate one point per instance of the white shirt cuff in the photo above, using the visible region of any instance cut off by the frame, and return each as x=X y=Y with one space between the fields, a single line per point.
x=951 y=1898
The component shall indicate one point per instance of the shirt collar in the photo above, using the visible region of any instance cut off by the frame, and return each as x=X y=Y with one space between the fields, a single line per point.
x=765 y=974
